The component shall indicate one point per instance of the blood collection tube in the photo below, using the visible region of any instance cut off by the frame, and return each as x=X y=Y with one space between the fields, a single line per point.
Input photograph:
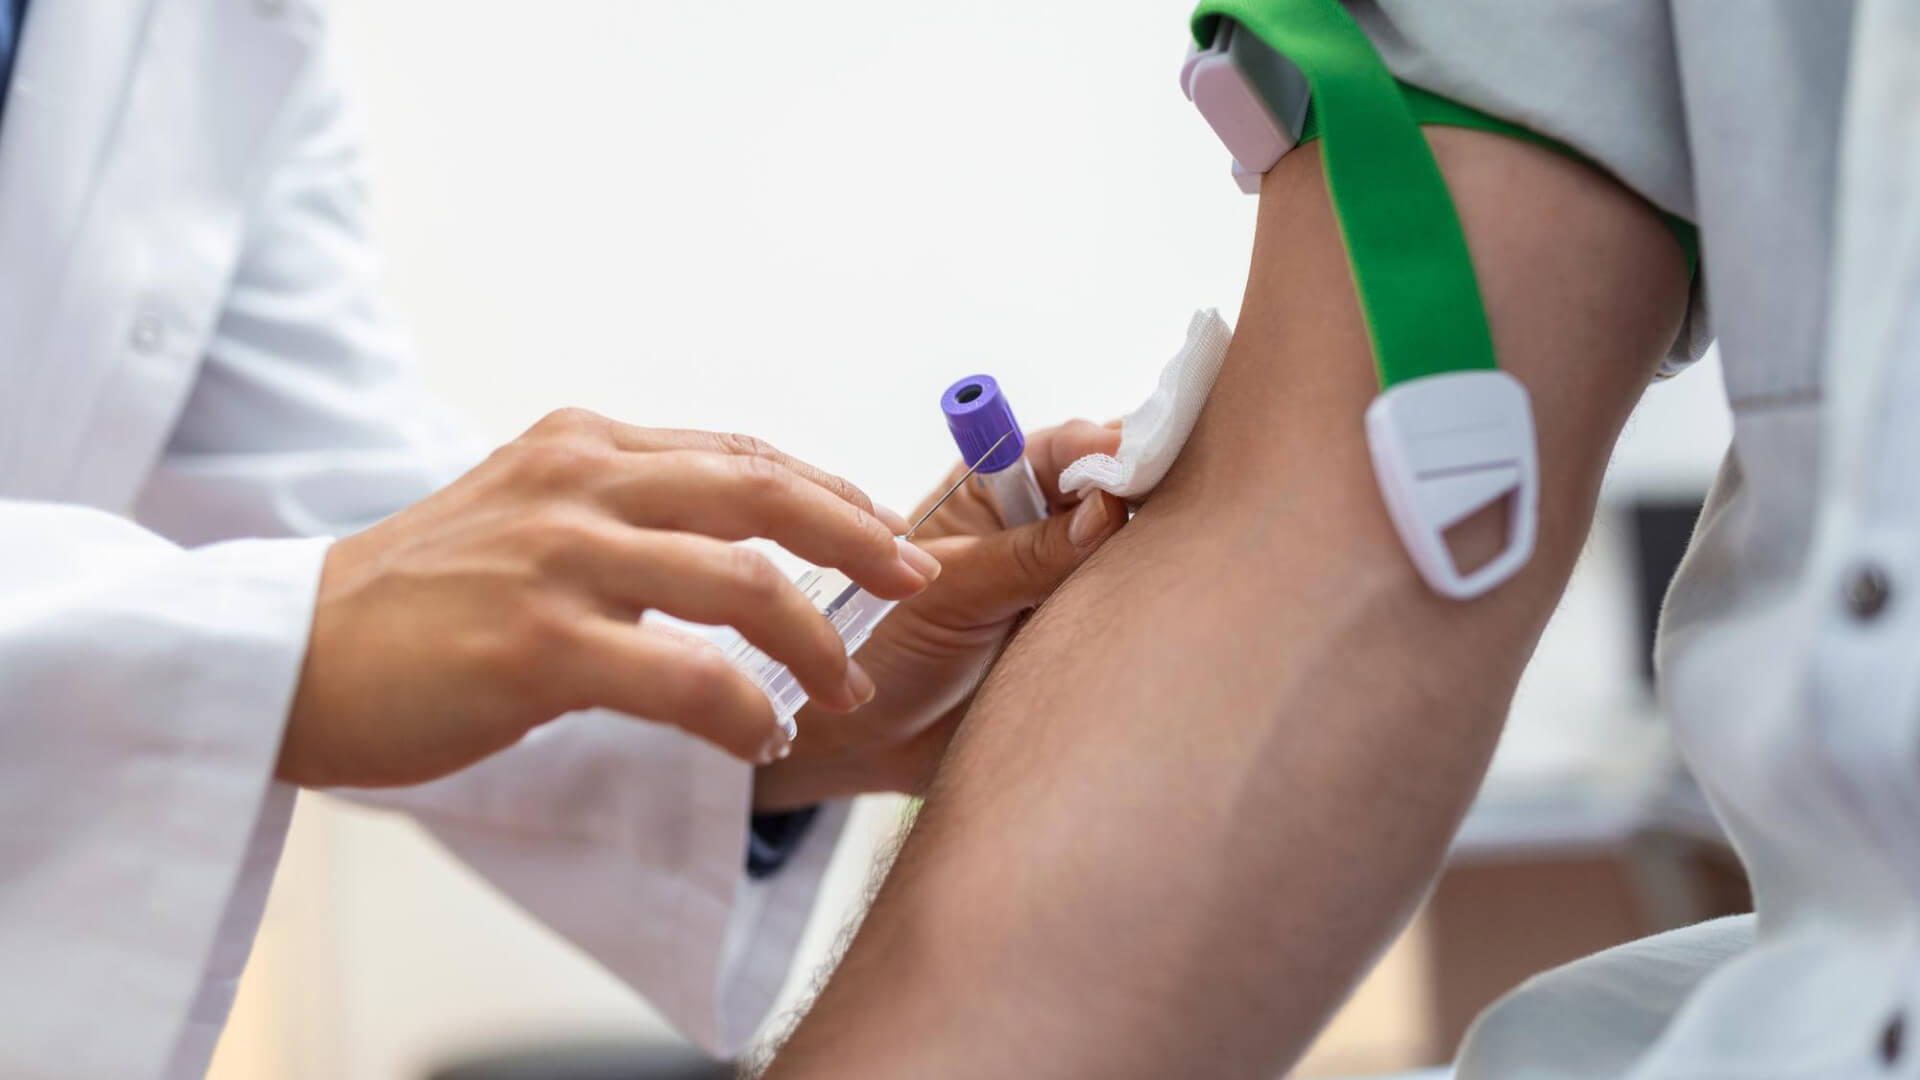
x=983 y=427
x=982 y=423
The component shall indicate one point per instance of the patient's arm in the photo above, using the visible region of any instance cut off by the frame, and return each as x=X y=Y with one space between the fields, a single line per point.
x=1214 y=775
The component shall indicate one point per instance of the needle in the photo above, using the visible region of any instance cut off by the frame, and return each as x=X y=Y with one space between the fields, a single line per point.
x=948 y=494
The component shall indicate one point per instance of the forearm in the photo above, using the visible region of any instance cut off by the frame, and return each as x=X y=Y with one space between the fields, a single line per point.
x=1213 y=776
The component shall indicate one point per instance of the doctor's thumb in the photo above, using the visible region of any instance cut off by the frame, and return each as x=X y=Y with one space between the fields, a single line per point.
x=1002 y=574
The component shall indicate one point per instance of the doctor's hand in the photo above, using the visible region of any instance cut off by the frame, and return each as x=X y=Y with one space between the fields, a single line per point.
x=446 y=632
x=930 y=655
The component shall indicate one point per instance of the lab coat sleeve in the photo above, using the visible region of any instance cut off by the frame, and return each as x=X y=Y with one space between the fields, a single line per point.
x=307 y=420
x=629 y=839
x=142 y=688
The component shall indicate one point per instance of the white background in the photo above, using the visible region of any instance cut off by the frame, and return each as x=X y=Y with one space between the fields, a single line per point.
x=801 y=221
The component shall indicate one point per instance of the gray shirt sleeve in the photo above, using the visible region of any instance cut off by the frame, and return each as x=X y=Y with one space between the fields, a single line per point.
x=1599 y=75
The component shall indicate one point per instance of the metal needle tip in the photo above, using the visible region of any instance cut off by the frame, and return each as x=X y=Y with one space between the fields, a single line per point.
x=948 y=494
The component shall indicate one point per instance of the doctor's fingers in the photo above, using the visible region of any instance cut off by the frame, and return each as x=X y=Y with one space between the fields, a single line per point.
x=664 y=677
x=734 y=498
x=997 y=575
x=1050 y=451
x=641 y=440
x=709 y=581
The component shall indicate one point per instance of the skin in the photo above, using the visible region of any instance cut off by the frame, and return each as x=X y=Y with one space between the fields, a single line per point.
x=1213 y=777
x=513 y=596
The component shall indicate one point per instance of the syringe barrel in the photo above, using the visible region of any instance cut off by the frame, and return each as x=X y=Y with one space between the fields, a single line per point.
x=983 y=426
x=852 y=611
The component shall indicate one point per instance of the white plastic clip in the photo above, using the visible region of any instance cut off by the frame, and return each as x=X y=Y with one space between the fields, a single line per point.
x=1446 y=446
x=1253 y=98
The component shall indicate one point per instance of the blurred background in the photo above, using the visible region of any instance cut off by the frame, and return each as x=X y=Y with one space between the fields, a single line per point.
x=801 y=221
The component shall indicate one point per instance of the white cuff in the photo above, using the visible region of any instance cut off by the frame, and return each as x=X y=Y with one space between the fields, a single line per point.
x=746 y=931
x=630 y=840
x=145 y=705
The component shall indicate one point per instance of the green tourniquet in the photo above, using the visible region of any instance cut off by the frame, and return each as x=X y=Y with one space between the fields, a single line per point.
x=1430 y=108
x=1405 y=249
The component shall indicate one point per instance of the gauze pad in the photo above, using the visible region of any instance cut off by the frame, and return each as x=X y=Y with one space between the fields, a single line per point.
x=1151 y=436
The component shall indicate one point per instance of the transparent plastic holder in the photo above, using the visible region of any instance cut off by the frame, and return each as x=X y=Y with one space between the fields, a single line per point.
x=853 y=613
x=982 y=424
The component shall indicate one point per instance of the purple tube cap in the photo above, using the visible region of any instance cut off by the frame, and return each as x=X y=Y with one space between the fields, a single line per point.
x=978 y=416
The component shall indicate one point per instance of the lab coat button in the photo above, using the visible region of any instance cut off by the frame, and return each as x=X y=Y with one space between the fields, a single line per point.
x=1892 y=1039
x=147 y=335
x=1867 y=590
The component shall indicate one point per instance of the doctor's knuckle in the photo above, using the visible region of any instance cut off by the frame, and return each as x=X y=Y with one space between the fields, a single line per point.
x=760 y=479
x=507 y=653
x=571 y=420
x=559 y=466
x=543 y=631
x=873 y=538
x=738 y=445
x=754 y=576
x=705 y=684
x=562 y=536
x=845 y=490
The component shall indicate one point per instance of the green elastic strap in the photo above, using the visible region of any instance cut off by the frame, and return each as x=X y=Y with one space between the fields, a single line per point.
x=1405 y=249
x=1431 y=109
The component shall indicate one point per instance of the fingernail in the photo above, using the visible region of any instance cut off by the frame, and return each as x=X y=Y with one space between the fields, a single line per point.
x=917 y=560
x=891 y=519
x=860 y=686
x=778 y=745
x=1089 y=521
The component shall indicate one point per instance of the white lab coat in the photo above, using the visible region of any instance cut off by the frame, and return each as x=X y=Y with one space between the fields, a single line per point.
x=191 y=351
